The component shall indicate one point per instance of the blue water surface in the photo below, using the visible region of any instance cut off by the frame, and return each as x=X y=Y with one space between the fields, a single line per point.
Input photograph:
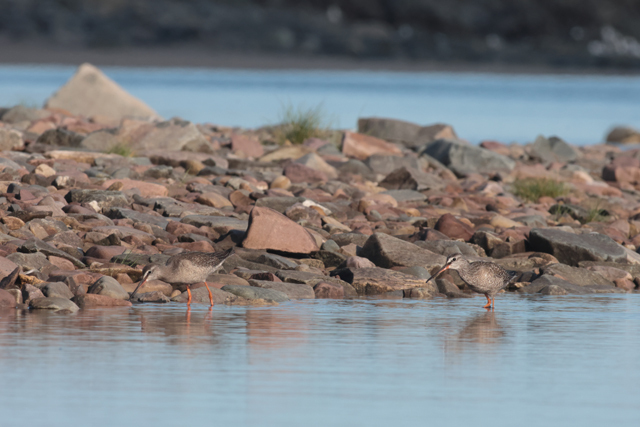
x=534 y=361
x=508 y=108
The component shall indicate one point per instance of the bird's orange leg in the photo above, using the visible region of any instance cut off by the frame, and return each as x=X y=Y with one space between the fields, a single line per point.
x=189 y=292
x=493 y=303
x=488 y=301
x=210 y=295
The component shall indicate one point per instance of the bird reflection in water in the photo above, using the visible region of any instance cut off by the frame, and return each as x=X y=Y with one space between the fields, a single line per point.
x=482 y=333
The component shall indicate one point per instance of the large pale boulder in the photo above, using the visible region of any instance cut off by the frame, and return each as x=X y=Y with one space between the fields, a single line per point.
x=91 y=93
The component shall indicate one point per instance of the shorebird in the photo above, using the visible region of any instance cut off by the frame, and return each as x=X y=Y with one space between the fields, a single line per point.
x=483 y=277
x=187 y=268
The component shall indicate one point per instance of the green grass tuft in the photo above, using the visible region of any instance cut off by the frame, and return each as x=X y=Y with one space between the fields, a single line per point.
x=300 y=123
x=122 y=149
x=533 y=188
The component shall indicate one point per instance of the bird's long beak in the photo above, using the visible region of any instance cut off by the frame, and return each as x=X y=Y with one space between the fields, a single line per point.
x=142 y=282
x=445 y=268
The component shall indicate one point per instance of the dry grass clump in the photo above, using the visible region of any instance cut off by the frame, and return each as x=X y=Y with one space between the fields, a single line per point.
x=532 y=189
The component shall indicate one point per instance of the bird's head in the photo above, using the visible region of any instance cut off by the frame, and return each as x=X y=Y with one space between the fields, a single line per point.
x=150 y=272
x=455 y=262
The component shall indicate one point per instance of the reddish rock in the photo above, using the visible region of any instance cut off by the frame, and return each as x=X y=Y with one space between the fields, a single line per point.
x=147 y=189
x=239 y=199
x=269 y=229
x=626 y=284
x=213 y=199
x=6 y=266
x=104 y=252
x=297 y=173
x=61 y=263
x=359 y=262
x=328 y=290
x=95 y=300
x=362 y=146
x=250 y=146
x=496 y=147
x=453 y=228
x=6 y=299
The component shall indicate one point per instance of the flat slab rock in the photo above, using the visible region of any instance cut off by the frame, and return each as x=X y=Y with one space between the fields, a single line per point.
x=54 y=303
x=571 y=248
x=577 y=276
x=292 y=290
x=375 y=281
x=552 y=285
x=201 y=296
x=312 y=279
x=256 y=293
x=387 y=251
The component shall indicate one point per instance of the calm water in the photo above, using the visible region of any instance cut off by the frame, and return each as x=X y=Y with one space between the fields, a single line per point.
x=536 y=361
x=480 y=106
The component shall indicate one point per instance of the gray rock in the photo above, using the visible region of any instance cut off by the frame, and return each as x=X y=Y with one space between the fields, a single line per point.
x=447 y=247
x=135 y=216
x=411 y=179
x=235 y=261
x=344 y=239
x=425 y=292
x=532 y=220
x=36 y=245
x=292 y=290
x=551 y=285
x=553 y=149
x=254 y=293
x=201 y=296
x=104 y=198
x=153 y=297
x=387 y=251
x=330 y=245
x=571 y=248
x=406 y=196
x=57 y=289
x=312 y=279
x=419 y=272
x=354 y=167
x=409 y=134
x=54 y=303
x=220 y=224
x=450 y=289
x=384 y=165
x=465 y=159
x=277 y=261
x=280 y=204
x=576 y=275
x=110 y=287
x=30 y=261
x=376 y=281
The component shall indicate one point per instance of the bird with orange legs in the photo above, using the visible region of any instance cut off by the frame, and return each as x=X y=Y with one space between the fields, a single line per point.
x=483 y=277
x=185 y=268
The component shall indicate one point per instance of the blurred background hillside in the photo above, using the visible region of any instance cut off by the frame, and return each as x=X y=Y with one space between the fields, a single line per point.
x=592 y=34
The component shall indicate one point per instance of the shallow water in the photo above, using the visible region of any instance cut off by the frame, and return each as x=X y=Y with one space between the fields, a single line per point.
x=507 y=108
x=552 y=361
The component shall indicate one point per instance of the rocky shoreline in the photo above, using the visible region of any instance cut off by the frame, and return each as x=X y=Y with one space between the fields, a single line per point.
x=95 y=186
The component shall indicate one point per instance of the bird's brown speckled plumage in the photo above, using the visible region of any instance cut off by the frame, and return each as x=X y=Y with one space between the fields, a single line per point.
x=484 y=277
x=187 y=268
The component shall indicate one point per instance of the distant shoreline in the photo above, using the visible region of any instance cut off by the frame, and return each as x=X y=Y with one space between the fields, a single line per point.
x=199 y=57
